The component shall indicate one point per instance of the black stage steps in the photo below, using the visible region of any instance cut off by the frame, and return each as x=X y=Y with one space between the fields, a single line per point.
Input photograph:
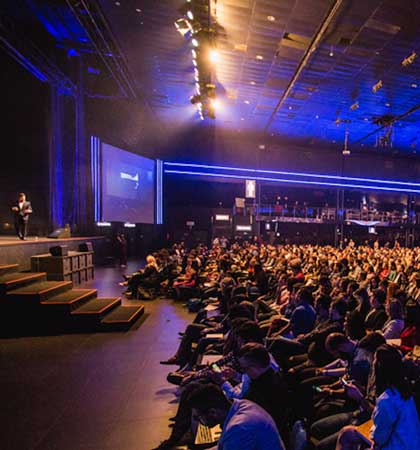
x=7 y=268
x=69 y=300
x=122 y=317
x=30 y=304
x=15 y=280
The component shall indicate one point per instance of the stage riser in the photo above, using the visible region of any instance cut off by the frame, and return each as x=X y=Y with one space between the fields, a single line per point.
x=21 y=252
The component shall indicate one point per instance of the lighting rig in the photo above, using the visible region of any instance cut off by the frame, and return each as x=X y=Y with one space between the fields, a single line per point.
x=198 y=27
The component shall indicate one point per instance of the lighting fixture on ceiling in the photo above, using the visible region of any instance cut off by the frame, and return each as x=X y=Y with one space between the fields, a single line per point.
x=246 y=102
x=190 y=15
x=194 y=53
x=271 y=18
x=354 y=106
x=138 y=10
x=331 y=54
x=259 y=57
x=414 y=85
x=213 y=56
x=346 y=150
x=409 y=60
x=183 y=26
x=194 y=42
x=117 y=4
x=377 y=86
x=253 y=83
x=194 y=62
x=317 y=117
x=387 y=104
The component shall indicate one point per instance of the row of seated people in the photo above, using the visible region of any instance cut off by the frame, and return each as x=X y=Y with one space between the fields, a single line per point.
x=174 y=272
x=310 y=347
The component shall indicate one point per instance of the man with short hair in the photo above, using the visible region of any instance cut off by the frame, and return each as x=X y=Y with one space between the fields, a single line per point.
x=245 y=425
x=22 y=209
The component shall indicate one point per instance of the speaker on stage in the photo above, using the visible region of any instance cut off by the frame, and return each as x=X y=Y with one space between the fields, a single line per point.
x=59 y=250
x=86 y=247
x=60 y=233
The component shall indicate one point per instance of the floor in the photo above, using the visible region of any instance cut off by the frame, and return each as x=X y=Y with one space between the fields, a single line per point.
x=91 y=391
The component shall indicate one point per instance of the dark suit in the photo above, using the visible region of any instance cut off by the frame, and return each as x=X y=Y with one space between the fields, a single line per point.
x=22 y=218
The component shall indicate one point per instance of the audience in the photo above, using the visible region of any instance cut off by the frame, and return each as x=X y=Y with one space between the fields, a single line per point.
x=295 y=336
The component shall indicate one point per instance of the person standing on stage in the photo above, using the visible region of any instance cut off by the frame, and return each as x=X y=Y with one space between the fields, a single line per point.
x=22 y=210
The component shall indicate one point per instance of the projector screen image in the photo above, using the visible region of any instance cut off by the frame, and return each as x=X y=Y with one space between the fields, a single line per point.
x=128 y=186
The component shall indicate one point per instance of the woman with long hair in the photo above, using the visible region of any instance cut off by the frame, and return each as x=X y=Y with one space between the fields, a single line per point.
x=396 y=424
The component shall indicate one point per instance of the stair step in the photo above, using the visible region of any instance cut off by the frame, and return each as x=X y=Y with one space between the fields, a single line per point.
x=122 y=317
x=97 y=307
x=7 y=268
x=16 y=280
x=70 y=300
x=40 y=291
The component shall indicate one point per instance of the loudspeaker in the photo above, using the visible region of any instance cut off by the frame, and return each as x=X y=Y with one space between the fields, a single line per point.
x=86 y=247
x=59 y=250
x=60 y=233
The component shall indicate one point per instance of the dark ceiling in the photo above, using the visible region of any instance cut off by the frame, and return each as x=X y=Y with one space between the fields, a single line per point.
x=365 y=42
x=298 y=69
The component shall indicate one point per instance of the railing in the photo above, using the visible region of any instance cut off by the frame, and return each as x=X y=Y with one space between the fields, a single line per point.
x=327 y=214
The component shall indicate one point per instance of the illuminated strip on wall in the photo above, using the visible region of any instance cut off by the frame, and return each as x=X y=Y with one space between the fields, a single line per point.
x=335 y=178
x=301 y=182
x=159 y=192
x=95 y=167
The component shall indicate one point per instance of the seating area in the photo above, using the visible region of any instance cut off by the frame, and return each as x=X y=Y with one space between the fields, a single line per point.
x=319 y=338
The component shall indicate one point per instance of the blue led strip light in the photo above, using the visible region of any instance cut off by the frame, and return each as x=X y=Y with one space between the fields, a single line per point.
x=298 y=174
x=95 y=146
x=159 y=192
x=280 y=180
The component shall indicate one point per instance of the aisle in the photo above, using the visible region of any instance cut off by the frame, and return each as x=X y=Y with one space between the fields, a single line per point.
x=91 y=392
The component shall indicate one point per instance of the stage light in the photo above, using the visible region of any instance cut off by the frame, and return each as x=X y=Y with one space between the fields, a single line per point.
x=197 y=85
x=409 y=60
x=377 y=86
x=271 y=18
x=259 y=57
x=253 y=83
x=246 y=102
x=414 y=85
x=194 y=42
x=194 y=53
x=194 y=63
x=196 y=77
x=190 y=15
x=195 y=99
x=213 y=56
x=215 y=104
x=103 y=224
x=129 y=225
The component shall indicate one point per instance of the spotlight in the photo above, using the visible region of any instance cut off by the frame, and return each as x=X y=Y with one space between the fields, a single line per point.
x=213 y=56
x=409 y=60
x=183 y=26
x=214 y=103
x=195 y=99
x=190 y=15
x=377 y=86
x=194 y=53
x=194 y=42
x=259 y=57
x=194 y=63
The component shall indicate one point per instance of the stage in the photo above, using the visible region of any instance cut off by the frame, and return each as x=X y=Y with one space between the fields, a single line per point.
x=15 y=251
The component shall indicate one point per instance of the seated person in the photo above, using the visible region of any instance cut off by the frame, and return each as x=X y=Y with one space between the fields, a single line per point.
x=148 y=277
x=396 y=424
x=245 y=425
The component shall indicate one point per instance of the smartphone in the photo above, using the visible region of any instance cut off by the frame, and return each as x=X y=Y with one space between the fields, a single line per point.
x=317 y=389
x=344 y=382
x=216 y=368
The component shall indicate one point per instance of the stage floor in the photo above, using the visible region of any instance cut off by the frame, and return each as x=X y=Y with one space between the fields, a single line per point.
x=102 y=391
x=15 y=251
x=14 y=240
